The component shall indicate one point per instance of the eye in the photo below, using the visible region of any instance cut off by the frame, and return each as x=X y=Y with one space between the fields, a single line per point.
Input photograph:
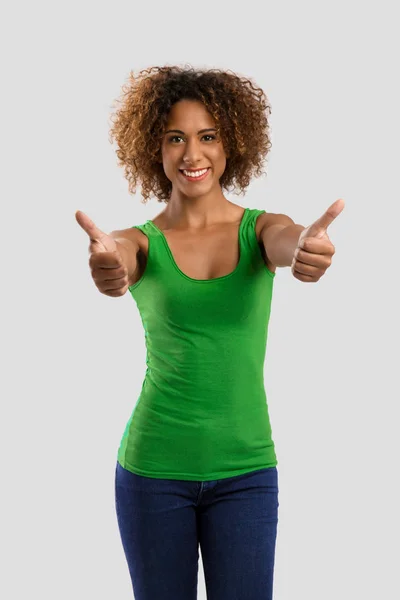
x=178 y=137
x=174 y=137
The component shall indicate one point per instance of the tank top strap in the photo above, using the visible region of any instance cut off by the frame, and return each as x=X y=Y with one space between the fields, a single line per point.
x=248 y=239
x=158 y=256
x=151 y=232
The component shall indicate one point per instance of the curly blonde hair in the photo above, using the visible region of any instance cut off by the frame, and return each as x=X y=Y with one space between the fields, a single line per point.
x=239 y=108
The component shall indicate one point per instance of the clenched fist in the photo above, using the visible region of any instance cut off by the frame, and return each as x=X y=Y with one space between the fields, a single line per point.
x=108 y=270
x=313 y=255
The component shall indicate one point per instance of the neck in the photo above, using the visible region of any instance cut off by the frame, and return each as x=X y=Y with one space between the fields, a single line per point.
x=196 y=212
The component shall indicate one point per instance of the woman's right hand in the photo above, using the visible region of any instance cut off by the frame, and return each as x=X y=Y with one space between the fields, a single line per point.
x=109 y=272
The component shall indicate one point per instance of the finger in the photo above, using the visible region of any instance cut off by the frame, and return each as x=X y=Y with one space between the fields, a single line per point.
x=305 y=278
x=105 y=260
x=305 y=269
x=330 y=215
x=117 y=293
x=106 y=275
x=95 y=234
x=116 y=284
x=317 y=246
x=321 y=261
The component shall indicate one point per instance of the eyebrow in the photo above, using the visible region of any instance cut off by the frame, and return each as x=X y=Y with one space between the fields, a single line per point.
x=183 y=133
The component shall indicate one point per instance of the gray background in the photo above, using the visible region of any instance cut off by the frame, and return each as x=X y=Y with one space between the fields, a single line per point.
x=74 y=359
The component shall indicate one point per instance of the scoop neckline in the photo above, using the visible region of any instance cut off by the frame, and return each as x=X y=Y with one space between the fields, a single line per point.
x=214 y=278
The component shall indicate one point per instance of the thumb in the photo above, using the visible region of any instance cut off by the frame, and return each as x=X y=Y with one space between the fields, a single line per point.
x=319 y=227
x=99 y=241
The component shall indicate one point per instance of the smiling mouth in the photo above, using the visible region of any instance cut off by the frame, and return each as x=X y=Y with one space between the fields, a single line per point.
x=195 y=174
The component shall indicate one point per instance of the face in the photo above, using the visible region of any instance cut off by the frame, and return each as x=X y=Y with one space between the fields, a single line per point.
x=190 y=143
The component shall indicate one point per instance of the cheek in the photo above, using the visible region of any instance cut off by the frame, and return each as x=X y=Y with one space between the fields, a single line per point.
x=167 y=161
x=220 y=154
x=169 y=165
x=221 y=161
x=169 y=158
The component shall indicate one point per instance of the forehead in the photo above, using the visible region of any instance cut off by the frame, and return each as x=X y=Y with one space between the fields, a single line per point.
x=189 y=112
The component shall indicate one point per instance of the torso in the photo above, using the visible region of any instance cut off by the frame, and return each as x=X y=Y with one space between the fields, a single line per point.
x=202 y=255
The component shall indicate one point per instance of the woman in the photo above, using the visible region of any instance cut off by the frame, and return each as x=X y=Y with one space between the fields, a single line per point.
x=197 y=465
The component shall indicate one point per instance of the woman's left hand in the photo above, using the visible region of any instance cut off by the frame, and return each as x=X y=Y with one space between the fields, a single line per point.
x=313 y=255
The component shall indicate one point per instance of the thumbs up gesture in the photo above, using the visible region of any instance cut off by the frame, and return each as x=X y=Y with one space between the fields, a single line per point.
x=108 y=270
x=313 y=255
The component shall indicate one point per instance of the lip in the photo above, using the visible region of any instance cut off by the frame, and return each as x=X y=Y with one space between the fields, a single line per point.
x=195 y=180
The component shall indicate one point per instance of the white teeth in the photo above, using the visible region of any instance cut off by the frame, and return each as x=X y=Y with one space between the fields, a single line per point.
x=195 y=173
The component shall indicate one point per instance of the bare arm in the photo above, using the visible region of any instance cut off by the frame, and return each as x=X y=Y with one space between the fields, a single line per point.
x=307 y=250
x=280 y=236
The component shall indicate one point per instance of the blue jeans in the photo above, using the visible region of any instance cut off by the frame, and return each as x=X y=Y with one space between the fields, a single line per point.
x=162 y=523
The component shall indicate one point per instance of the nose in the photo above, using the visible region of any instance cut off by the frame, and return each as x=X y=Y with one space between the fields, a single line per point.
x=192 y=154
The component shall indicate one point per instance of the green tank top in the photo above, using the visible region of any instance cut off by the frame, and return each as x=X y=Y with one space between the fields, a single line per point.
x=202 y=412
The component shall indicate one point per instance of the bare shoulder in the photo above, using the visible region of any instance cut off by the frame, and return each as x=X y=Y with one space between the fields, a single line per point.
x=134 y=235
